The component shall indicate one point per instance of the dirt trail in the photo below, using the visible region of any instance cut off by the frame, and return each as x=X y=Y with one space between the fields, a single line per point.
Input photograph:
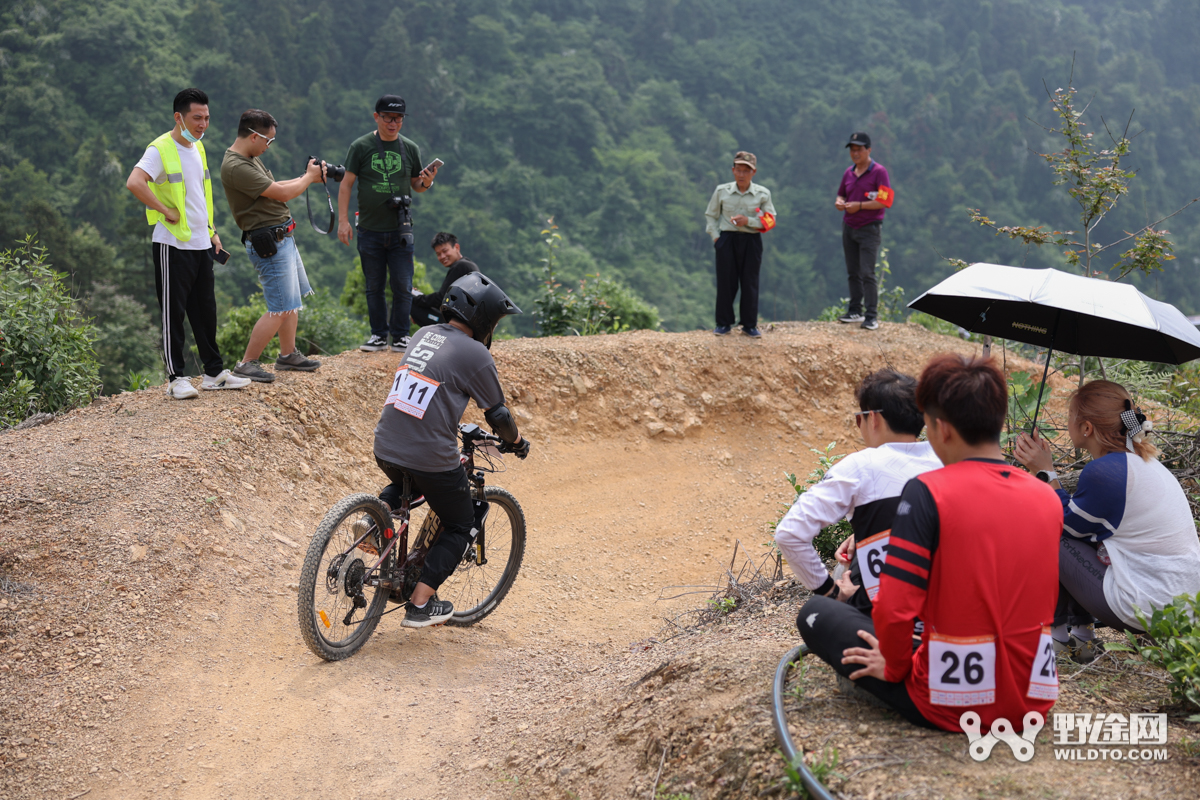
x=166 y=661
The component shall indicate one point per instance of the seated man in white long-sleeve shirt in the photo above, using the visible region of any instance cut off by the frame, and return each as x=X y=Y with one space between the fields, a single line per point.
x=865 y=488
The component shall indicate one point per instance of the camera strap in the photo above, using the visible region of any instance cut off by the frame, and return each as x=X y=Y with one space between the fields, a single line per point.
x=308 y=207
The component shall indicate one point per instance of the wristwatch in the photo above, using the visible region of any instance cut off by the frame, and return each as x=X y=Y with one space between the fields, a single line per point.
x=1047 y=475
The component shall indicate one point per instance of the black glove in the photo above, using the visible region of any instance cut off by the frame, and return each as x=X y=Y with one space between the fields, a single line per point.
x=520 y=450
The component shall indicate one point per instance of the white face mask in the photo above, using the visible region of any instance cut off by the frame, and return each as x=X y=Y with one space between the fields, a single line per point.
x=188 y=134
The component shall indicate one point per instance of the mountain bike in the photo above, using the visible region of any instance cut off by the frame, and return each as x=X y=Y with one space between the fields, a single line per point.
x=359 y=558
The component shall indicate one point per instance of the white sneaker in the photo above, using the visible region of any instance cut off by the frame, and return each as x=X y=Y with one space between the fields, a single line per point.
x=226 y=380
x=181 y=389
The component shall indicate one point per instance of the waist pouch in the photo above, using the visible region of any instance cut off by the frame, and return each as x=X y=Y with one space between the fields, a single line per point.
x=265 y=240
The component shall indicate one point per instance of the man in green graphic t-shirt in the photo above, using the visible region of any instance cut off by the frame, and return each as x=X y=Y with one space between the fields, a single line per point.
x=385 y=165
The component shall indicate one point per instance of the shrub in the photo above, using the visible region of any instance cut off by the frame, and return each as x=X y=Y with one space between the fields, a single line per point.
x=1174 y=645
x=325 y=327
x=47 y=363
x=127 y=338
x=827 y=541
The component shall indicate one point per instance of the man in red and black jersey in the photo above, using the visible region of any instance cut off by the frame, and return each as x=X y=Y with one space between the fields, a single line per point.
x=973 y=552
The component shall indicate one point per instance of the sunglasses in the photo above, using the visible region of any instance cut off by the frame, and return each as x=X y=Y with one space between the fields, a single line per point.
x=259 y=135
x=858 y=415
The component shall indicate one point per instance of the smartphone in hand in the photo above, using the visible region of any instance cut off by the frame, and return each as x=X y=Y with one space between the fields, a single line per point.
x=220 y=256
x=437 y=162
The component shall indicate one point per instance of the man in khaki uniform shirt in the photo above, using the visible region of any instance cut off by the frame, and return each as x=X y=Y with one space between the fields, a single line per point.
x=738 y=214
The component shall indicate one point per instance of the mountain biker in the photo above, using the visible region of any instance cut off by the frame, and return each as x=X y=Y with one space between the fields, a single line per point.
x=443 y=368
x=864 y=486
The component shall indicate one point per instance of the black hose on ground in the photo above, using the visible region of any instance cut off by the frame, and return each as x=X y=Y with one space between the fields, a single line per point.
x=779 y=717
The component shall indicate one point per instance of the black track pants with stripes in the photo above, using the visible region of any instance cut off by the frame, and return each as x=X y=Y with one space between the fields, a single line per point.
x=183 y=280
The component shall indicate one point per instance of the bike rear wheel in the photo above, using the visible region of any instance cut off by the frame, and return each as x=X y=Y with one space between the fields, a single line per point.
x=337 y=610
x=476 y=589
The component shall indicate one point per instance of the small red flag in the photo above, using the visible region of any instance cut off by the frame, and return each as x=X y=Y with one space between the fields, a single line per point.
x=885 y=196
x=767 y=220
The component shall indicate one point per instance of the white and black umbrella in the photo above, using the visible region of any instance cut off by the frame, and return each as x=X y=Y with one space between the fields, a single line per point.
x=1059 y=311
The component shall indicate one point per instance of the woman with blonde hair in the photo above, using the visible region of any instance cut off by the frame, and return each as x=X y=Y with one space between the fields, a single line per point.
x=1129 y=541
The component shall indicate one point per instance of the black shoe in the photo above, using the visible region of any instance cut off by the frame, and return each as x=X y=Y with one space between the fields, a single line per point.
x=296 y=360
x=753 y=333
x=374 y=344
x=871 y=324
x=435 y=612
x=846 y=319
x=254 y=371
x=722 y=330
x=400 y=345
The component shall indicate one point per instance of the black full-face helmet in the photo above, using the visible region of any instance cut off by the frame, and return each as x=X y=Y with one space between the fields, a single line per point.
x=478 y=301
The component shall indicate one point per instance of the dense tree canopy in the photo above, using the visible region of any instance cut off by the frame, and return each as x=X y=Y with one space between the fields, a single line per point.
x=616 y=117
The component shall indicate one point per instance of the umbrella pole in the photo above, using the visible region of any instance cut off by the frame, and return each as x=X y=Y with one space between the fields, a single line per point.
x=1045 y=372
x=1041 y=389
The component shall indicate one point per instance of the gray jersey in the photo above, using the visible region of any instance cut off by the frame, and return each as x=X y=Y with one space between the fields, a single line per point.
x=442 y=369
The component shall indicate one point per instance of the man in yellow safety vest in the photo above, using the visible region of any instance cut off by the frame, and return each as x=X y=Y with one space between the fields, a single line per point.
x=173 y=182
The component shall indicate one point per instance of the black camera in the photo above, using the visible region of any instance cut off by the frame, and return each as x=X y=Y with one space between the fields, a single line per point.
x=332 y=171
x=400 y=203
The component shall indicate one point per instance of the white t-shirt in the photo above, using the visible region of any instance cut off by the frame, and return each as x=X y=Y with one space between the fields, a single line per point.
x=193 y=181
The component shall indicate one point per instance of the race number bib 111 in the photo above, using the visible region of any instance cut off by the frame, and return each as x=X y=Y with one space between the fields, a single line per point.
x=412 y=392
x=962 y=670
x=871 y=553
x=1043 y=678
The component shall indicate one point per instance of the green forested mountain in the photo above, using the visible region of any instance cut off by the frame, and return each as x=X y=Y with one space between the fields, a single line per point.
x=616 y=117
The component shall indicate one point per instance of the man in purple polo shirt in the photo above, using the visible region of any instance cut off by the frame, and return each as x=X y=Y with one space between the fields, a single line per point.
x=863 y=196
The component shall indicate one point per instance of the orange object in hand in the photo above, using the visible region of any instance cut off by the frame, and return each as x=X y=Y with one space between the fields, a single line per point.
x=767 y=220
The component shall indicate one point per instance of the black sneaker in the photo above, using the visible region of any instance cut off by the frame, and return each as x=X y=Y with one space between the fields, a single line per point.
x=254 y=371
x=295 y=360
x=435 y=612
x=400 y=345
x=722 y=330
x=846 y=319
x=753 y=333
x=374 y=344
x=871 y=324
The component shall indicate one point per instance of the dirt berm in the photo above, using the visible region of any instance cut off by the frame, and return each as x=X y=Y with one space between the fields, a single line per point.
x=150 y=548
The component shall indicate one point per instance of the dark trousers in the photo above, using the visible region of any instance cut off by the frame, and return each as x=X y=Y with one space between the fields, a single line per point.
x=828 y=627
x=449 y=496
x=861 y=246
x=739 y=259
x=183 y=280
x=384 y=256
x=1081 y=586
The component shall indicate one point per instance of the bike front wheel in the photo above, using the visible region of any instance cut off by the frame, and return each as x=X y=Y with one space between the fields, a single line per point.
x=339 y=600
x=477 y=588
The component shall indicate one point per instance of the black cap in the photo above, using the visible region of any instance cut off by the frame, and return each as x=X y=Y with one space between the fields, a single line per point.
x=389 y=104
x=855 y=138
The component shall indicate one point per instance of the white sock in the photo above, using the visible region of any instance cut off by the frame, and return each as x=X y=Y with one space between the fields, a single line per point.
x=1084 y=633
x=420 y=606
x=1059 y=633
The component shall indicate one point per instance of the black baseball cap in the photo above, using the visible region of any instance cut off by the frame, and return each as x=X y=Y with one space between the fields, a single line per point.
x=855 y=138
x=390 y=104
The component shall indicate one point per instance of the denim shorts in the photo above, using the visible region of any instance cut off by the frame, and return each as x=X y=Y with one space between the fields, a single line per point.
x=282 y=276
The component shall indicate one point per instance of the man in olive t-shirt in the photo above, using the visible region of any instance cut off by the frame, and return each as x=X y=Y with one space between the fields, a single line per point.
x=384 y=164
x=259 y=203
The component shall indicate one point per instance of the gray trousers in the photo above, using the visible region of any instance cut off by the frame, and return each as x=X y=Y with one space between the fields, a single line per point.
x=1081 y=586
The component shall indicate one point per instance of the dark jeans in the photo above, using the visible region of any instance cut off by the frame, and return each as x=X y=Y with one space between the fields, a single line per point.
x=1081 y=586
x=828 y=627
x=385 y=255
x=739 y=258
x=449 y=496
x=183 y=280
x=861 y=246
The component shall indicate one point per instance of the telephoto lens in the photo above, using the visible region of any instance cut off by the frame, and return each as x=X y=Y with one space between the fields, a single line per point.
x=332 y=171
